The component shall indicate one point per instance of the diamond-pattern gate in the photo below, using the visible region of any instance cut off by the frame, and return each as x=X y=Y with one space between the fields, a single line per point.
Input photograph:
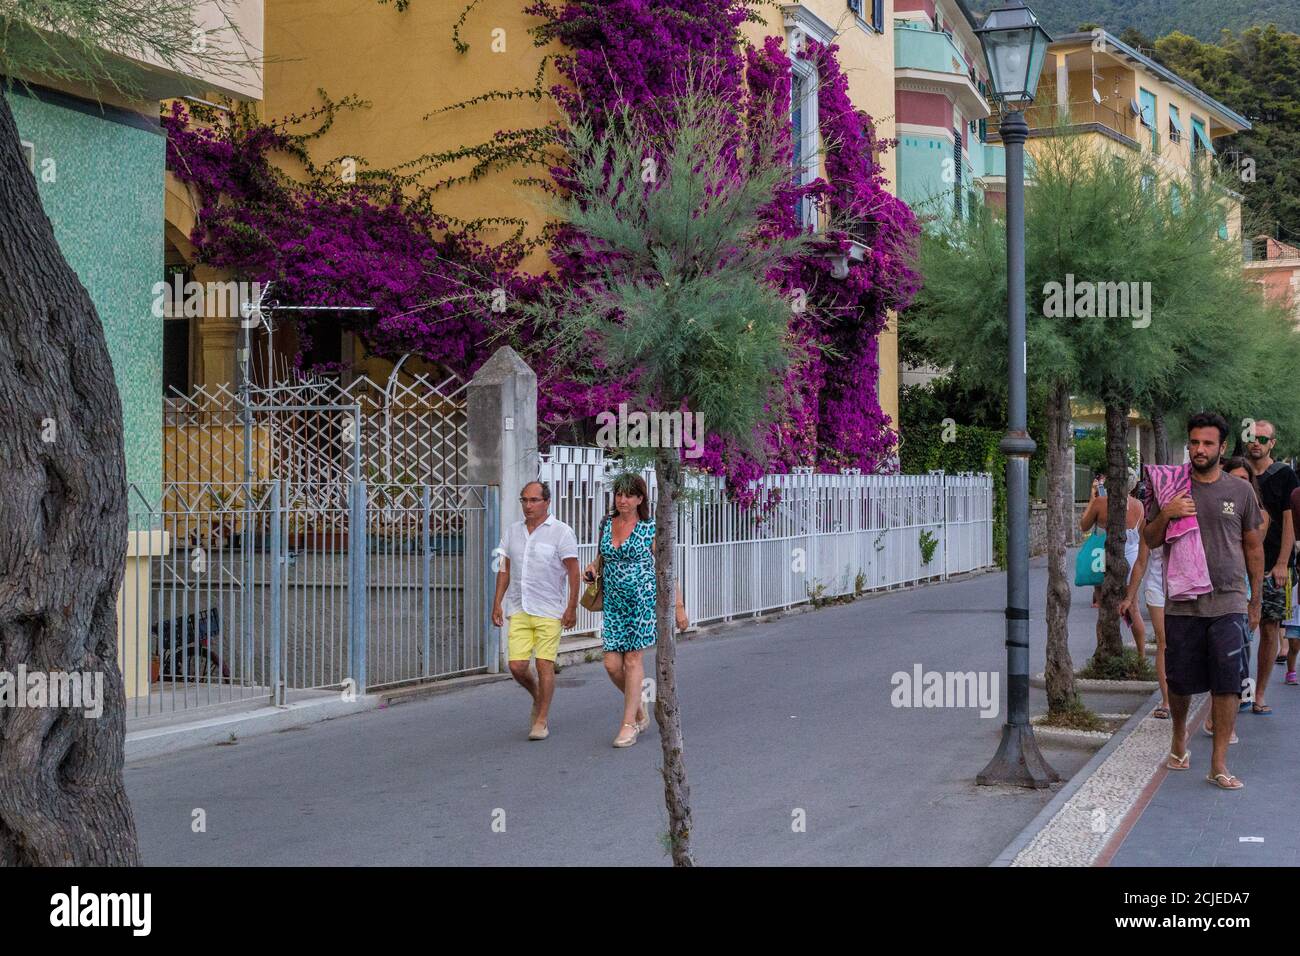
x=405 y=432
x=319 y=530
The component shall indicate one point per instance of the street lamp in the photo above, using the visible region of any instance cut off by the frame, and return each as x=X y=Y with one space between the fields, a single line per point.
x=1015 y=45
x=1014 y=48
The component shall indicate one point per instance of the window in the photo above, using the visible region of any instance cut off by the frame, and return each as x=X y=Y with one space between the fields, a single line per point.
x=1200 y=140
x=176 y=356
x=957 y=173
x=29 y=151
x=1175 y=125
x=1148 y=115
x=1148 y=183
x=870 y=14
x=176 y=330
x=1175 y=199
x=802 y=24
x=326 y=346
x=1223 y=223
x=803 y=132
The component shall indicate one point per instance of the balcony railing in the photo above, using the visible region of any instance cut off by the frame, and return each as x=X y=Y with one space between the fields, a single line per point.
x=916 y=49
x=1044 y=118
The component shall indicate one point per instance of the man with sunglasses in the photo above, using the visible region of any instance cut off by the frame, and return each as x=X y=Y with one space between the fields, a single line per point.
x=538 y=561
x=1276 y=483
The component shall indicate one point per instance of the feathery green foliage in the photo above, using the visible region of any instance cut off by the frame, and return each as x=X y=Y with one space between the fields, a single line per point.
x=671 y=227
x=1105 y=219
x=92 y=41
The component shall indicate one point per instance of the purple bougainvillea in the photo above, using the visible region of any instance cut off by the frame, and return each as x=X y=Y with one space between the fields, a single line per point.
x=347 y=247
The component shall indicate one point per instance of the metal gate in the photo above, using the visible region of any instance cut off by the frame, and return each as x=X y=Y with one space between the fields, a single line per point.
x=310 y=535
x=256 y=592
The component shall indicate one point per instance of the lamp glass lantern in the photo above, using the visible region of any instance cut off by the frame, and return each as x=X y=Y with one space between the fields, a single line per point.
x=1015 y=45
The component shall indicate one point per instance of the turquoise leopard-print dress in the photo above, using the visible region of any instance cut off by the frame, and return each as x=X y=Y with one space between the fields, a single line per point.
x=629 y=585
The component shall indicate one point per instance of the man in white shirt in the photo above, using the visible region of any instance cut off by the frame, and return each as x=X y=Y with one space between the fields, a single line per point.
x=539 y=559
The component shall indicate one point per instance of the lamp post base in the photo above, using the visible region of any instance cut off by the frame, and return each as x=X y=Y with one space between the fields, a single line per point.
x=1018 y=762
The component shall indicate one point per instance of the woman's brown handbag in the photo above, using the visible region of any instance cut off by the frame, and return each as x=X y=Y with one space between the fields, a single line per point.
x=593 y=598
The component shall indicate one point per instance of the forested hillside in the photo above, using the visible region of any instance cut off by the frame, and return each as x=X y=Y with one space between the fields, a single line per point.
x=1200 y=18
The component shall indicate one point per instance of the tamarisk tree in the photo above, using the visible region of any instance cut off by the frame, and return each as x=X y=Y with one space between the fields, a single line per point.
x=1189 y=330
x=668 y=207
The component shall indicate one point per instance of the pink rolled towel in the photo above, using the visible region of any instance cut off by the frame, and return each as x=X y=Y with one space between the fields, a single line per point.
x=1187 y=574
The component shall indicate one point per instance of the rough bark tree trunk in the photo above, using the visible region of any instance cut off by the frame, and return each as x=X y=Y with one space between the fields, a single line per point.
x=1161 y=436
x=63 y=515
x=1060 y=525
x=1109 y=639
x=677 y=792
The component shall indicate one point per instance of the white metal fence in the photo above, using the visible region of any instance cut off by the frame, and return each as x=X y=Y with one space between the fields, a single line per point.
x=810 y=536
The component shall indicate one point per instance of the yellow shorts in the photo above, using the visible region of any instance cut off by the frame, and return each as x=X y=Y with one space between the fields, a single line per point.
x=530 y=634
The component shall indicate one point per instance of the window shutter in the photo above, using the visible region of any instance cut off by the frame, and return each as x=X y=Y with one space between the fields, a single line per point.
x=878 y=15
x=956 y=165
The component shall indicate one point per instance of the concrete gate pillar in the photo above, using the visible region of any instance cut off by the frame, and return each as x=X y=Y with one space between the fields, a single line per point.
x=501 y=410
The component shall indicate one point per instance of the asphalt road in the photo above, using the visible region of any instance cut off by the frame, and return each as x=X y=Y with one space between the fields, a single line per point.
x=784 y=721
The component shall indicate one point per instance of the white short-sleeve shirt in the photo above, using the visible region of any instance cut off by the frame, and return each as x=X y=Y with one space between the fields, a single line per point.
x=538 y=579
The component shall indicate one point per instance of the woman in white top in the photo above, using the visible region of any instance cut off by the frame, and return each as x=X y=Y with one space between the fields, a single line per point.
x=1095 y=514
x=1149 y=574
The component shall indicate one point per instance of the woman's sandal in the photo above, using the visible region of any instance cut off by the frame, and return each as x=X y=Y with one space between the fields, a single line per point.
x=1179 y=763
x=1209 y=732
x=621 y=741
x=1161 y=712
x=1224 y=781
x=644 y=724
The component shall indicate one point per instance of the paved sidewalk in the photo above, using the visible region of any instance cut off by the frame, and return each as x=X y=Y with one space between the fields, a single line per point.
x=1189 y=822
x=779 y=717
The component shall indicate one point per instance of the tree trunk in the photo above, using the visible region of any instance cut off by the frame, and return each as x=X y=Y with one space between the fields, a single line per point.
x=1060 y=526
x=1109 y=641
x=1161 y=437
x=677 y=792
x=63 y=511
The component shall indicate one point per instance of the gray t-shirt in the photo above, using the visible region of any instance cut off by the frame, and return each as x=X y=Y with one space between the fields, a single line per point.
x=1225 y=509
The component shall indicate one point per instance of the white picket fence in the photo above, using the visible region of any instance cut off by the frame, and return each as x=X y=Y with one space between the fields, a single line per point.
x=817 y=536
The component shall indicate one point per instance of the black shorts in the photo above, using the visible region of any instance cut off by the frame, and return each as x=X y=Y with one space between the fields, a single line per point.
x=1205 y=653
x=1273 y=601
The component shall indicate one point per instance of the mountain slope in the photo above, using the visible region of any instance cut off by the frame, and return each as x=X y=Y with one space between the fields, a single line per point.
x=1200 y=18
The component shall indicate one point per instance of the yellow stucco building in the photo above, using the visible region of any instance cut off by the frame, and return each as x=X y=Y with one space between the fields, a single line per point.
x=1120 y=100
x=407 y=66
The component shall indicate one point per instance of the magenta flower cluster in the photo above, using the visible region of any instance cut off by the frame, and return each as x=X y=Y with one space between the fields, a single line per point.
x=347 y=248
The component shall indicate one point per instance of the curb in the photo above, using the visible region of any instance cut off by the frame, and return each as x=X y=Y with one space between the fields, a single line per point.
x=400 y=695
x=1104 y=686
x=144 y=744
x=1069 y=736
x=1063 y=796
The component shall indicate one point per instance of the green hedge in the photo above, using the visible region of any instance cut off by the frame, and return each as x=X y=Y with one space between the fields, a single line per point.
x=972 y=449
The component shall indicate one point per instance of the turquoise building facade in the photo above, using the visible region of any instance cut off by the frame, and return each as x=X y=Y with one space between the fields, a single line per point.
x=100 y=172
x=946 y=169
